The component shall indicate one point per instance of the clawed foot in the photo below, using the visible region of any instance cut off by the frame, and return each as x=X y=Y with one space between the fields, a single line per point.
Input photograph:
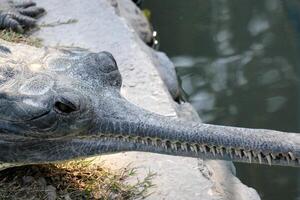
x=18 y=16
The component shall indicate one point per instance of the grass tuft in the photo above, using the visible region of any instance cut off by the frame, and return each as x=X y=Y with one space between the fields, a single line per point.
x=72 y=180
x=10 y=36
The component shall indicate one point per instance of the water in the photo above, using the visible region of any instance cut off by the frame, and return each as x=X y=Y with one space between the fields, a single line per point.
x=239 y=65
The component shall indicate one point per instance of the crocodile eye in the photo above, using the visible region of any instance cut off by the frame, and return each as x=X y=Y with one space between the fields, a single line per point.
x=63 y=106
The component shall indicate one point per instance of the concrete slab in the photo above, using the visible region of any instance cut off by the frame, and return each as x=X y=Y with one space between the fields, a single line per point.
x=100 y=28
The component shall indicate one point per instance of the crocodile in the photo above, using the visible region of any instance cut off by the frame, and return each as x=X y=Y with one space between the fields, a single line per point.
x=63 y=103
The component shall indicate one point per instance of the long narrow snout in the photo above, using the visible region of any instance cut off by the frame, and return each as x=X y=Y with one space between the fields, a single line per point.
x=134 y=129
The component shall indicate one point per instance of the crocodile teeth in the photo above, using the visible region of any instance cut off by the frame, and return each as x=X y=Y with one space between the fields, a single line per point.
x=238 y=153
x=273 y=156
x=292 y=156
x=213 y=151
x=259 y=158
x=154 y=143
x=174 y=146
x=194 y=148
x=184 y=147
x=287 y=159
x=230 y=153
x=249 y=156
x=269 y=159
x=221 y=151
x=164 y=145
x=203 y=149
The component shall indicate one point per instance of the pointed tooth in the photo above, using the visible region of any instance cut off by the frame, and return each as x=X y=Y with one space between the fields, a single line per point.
x=269 y=159
x=213 y=150
x=254 y=154
x=174 y=146
x=292 y=156
x=240 y=153
x=221 y=152
x=154 y=142
x=194 y=147
x=229 y=151
x=273 y=156
x=164 y=145
x=183 y=146
x=204 y=149
x=249 y=156
x=259 y=158
x=201 y=149
x=236 y=152
x=287 y=159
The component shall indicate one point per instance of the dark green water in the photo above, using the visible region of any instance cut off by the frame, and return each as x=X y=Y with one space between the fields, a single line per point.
x=239 y=63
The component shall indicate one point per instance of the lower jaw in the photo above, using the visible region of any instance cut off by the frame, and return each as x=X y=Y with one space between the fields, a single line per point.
x=60 y=149
x=111 y=143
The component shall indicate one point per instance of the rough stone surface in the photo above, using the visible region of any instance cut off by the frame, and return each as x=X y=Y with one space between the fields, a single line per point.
x=100 y=28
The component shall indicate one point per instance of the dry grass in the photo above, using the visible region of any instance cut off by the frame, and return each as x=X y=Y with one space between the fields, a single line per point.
x=11 y=36
x=72 y=180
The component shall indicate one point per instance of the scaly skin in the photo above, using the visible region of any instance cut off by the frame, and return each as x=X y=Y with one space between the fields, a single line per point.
x=63 y=104
x=18 y=17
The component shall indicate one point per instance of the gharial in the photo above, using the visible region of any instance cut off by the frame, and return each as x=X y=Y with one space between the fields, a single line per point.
x=58 y=104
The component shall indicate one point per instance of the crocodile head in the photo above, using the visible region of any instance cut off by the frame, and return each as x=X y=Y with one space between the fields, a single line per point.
x=59 y=104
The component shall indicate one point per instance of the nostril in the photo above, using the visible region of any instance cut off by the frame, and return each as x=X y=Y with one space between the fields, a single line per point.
x=107 y=62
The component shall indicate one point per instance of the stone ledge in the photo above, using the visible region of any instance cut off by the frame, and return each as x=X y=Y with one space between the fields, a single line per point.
x=100 y=28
